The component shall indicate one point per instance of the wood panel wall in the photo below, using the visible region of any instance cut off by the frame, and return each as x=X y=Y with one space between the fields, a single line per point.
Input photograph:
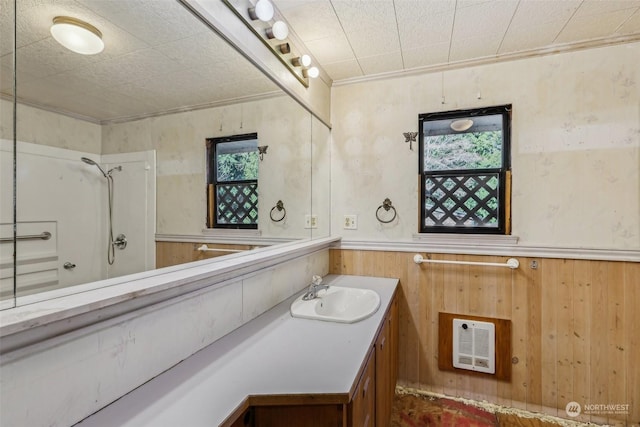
x=173 y=253
x=575 y=327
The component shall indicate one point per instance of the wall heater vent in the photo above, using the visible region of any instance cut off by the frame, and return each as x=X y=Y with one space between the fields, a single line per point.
x=474 y=345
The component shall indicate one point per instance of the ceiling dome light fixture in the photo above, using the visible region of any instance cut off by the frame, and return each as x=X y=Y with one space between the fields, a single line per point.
x=77 y=36
x=461 y=125
x=262 y=11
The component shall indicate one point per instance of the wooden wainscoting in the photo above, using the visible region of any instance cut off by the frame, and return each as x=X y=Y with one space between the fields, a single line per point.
x=575 y=327
x=173 y=253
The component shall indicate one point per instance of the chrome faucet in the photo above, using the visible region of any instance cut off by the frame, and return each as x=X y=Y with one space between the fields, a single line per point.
x=315 y=286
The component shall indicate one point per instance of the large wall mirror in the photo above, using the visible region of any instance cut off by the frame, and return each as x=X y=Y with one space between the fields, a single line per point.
x=111 y=147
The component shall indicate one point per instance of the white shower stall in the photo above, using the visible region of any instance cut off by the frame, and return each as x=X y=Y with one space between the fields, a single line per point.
x=58 y=193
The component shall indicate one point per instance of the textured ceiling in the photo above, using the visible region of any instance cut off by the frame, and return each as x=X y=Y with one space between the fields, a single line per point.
x=158 y=57
x=355 y=38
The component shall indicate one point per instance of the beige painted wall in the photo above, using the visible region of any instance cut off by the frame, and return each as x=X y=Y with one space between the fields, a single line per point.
x=46 y=128
x=179 y=141
x=575 y=146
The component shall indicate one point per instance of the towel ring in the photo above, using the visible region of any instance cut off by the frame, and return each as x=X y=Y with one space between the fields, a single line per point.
x=280 y=207
x=386 y=205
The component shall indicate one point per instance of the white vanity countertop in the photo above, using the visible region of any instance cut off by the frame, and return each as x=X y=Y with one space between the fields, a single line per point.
x=273 y=354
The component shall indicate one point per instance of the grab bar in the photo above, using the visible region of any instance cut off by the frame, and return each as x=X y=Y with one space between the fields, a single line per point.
x=205 y=248
x=512 y=263
x=45 y=235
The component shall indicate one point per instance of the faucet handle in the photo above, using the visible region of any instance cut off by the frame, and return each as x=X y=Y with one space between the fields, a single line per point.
x=316 y=280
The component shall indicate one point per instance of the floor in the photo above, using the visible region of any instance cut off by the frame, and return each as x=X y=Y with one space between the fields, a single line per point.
x=416 y=410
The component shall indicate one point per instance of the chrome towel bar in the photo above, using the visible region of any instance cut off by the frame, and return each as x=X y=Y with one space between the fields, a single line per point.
x=205 y=248
x=512 y=263
x=45 y=235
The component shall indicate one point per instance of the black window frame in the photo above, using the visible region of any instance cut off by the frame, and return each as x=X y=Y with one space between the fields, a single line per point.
x=212 y=179
x=503 y=172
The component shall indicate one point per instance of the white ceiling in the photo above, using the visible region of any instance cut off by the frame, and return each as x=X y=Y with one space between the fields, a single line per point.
x=354 y=38
x=159 y=58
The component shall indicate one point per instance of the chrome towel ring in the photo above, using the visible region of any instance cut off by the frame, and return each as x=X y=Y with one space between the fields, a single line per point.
x=280 y=207
x=386 y=205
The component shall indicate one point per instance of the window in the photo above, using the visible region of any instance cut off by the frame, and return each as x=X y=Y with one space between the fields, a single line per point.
x=232 y=180
x=465 y=171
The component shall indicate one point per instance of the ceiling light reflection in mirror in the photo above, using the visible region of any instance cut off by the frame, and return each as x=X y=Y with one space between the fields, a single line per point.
x=157 y=59
x=77 y=36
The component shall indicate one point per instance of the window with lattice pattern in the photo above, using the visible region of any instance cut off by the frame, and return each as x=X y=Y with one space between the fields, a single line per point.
x=233 y=181
x=465 y=171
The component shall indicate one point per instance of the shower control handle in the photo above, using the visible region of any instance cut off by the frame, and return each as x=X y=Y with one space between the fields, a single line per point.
x=69 y=265
x=120 y=242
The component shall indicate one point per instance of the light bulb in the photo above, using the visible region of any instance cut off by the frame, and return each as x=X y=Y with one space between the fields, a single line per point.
x=280 y=30
x=305 y=60
x=264 y=10
x=313 y=72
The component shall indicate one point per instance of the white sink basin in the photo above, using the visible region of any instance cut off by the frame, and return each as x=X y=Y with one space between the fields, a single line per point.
x=338 y=304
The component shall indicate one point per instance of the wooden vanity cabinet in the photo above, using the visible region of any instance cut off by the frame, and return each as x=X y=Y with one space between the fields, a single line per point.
x=370 y=405
x=386 y=358
x=362 y=409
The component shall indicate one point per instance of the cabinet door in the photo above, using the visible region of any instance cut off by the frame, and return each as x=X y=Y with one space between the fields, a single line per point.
x=362 y=406
x=393 y=322
x=386 y=362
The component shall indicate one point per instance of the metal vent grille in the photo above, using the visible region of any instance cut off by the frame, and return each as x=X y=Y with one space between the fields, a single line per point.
x=474 y=346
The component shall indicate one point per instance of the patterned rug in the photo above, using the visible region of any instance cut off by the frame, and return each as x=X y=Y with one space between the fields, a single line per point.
x=422 y=410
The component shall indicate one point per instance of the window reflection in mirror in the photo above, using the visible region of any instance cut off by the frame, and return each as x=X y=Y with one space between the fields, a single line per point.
x=232 y=184
x=140 y=111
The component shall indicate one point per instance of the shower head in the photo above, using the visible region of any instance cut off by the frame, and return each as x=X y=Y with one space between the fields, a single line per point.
x=91 y=162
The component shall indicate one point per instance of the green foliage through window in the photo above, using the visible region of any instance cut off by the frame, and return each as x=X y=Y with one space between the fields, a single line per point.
x=475 y=150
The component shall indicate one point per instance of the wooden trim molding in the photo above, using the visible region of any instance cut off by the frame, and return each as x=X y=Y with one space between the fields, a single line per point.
x=476 y=245
x=511 y=56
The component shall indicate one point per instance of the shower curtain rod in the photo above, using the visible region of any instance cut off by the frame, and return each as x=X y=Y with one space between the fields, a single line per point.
x=205 y=248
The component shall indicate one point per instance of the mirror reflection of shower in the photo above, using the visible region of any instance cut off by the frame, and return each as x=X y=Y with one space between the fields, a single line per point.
x=121 y=240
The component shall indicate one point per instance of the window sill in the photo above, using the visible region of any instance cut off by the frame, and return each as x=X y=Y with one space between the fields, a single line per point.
x=442 y=239
x=226 y=232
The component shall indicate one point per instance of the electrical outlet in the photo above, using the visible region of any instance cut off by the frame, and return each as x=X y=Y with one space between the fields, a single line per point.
x=351 y=222
x=311 y=221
